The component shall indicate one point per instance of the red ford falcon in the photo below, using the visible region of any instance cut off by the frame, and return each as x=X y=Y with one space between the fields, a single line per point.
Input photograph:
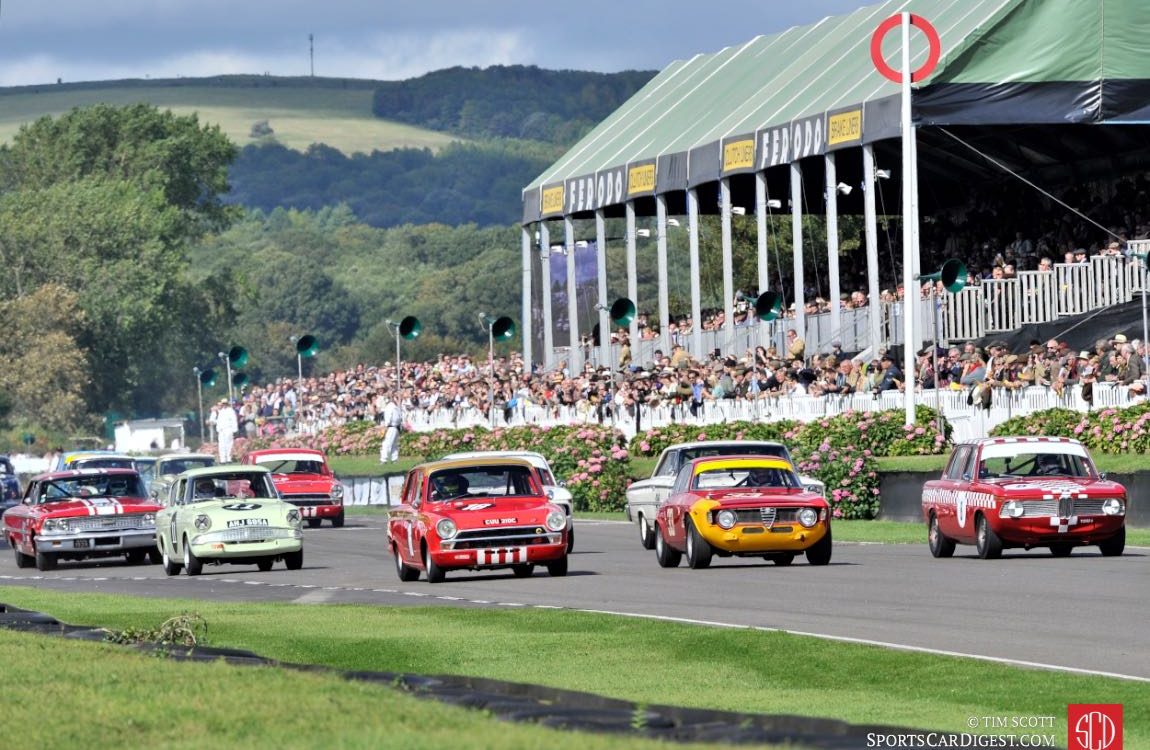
x=304 y=479
x=476 y=514
x=742 y=506
x=73 y=515
x=997 y=493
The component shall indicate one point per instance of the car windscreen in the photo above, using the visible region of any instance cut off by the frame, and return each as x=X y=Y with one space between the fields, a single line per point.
x=745 y=477
x=727 y=449
x=1036 y=464
x=482 y=481
x=179 y=466
x=56 y=490
x=292 y=466
x=102 y=463
x=233 y=485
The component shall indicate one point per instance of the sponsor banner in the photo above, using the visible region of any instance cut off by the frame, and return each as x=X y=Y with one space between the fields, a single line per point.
x=738 y=153
x=882 y=119
x=641 y=178
x=844 y=128
x=551 y=203
x=591 y=192
x=671 y=172
x=796 y=140
x=705 y=164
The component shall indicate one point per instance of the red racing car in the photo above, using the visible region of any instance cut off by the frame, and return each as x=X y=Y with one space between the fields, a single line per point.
x=304 y=479
x=997 y=493
x=478 y=513
x=73 y=515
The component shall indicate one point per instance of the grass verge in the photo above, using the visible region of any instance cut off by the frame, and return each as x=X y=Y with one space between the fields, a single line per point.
x=640 y=660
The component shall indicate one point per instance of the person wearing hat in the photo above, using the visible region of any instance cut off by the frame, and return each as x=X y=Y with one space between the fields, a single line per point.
x=227 y=425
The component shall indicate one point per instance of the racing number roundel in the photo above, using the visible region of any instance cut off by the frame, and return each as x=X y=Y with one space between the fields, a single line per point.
x=932 y=38
x=243 y=506
x=961 y=510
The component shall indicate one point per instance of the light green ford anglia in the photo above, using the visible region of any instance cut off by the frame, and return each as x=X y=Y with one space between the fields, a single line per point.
x=227 y=514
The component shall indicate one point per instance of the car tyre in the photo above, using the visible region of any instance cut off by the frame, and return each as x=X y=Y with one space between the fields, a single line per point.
x=557 y=568
x=435 y=574
x=313 y=523
x=403 y=571
x=699 y=550
x=337 y=521
x=1113 y=546
x=294 y=560
x=667 y=556
x=22 y=560
x=45 y=561
x=265 y=565
x=192 y=564
x=523 y=571
x=136 y=556
x=646 y=533
x=986 y=542
x=782 y=559
x=940 y=545
x=1061 y=549
x=819 y=553
x=570 y=538
x=154 y=556
x=171 y=567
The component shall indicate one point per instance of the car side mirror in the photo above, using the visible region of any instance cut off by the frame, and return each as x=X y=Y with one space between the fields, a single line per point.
x=1102 y=475
x=966 y=476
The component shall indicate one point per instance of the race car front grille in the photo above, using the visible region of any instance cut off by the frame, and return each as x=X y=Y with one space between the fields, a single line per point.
x=246 y=535
x=502 y=536
x=768 y=515
x=304 y=501
x=89 y=524
x=1062 y=507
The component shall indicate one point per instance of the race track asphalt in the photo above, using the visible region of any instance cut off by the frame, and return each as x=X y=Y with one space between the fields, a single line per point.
x=1084 y=612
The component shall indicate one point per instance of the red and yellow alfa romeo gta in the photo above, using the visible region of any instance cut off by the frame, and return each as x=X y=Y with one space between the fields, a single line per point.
x=476 y=513
x=742 y=506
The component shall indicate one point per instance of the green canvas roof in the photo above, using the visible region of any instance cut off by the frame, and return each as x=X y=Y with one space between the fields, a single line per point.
x=814 y=88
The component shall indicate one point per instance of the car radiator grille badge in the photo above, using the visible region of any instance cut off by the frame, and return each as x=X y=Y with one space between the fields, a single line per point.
x=768 y=516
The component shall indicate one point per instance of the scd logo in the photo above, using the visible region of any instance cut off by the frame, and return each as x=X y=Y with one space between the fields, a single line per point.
x=1094 y=726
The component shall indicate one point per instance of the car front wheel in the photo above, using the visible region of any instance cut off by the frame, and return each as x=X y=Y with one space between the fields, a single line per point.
x=523 y=571
x=403 y=571
x=294 y=560
x=820 y=552
x=435 y=574
x=667 y=556
x=557 y=568
x=940 y=546
x=1061 y=549
x=192 y=564
x=45 y=561
x=171 y=567
x=337 y=521
x=646 y=533
x=699 y=551
x=986 y=542
x=1114 y=546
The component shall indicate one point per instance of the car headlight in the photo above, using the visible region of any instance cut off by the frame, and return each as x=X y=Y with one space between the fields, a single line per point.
x=446 y=528
x=148 y=519
x=556 y=520
x=1012 y=509
x=726 y=519
x=293 y=516
x=808 y=517
x=1113 y=507
x=202 y=522
x=56 y=526
x=337 y=491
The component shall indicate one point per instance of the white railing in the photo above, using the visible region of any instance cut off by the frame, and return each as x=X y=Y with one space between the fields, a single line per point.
x=968 y=421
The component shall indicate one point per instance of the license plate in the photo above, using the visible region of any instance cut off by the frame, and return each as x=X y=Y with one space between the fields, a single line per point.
x=248 y=522
x=81 y=543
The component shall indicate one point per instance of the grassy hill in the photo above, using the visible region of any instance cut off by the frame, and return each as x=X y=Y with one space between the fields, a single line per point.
x=300 y=111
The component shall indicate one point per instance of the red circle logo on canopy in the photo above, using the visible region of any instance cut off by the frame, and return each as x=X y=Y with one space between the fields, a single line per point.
x=932 y=39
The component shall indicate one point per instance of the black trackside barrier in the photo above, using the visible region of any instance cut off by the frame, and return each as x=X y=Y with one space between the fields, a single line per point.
x=536 y=704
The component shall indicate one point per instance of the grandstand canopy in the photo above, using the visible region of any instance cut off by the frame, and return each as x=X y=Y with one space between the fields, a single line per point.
x=1049 y=89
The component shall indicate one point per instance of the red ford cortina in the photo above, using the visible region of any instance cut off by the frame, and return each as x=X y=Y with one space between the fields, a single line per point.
x=304 y=479
x=1026 y=492
x=72 y=515
x=741 y=506
x=476 y=514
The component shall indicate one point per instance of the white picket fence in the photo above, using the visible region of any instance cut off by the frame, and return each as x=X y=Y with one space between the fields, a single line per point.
x=968 y=421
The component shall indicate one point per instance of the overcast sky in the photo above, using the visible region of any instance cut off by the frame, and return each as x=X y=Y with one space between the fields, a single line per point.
x=90 y=40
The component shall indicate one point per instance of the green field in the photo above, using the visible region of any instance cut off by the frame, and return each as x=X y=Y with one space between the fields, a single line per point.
x=299 y=114
x=124 y=699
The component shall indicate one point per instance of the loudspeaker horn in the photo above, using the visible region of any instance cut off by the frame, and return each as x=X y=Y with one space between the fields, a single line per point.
x=768 y=305
x=410 y=327
x=239 y=379
x=503 y=328
x=952 y=275
x=208 y=377
x=622 y=312
x=307 y=345
x=238 y=356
